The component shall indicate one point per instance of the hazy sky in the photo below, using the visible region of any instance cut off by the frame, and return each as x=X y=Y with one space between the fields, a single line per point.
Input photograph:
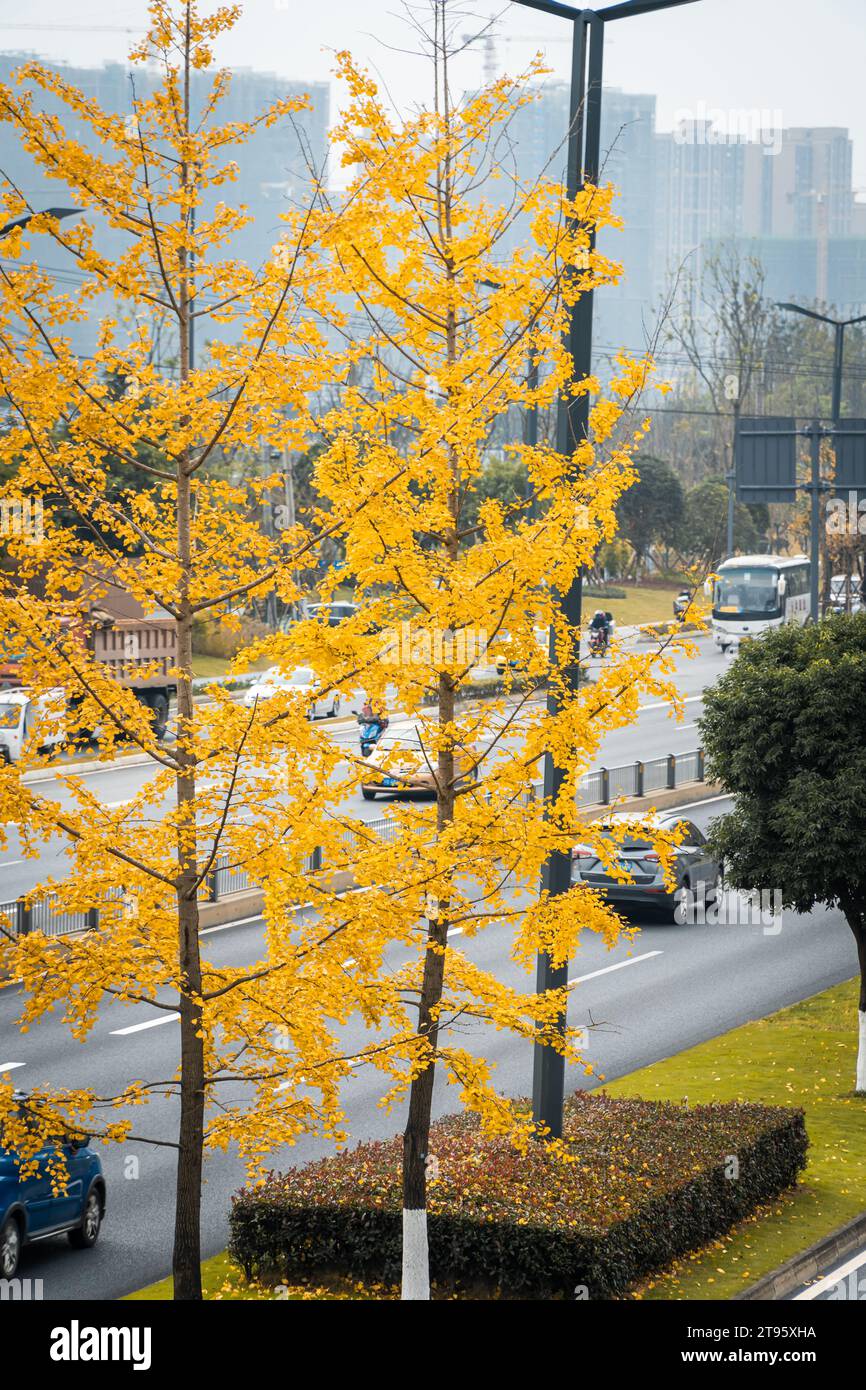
x=800 y=63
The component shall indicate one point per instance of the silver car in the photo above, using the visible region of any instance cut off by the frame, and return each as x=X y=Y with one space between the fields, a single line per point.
x=301 y=681
x=697 y=876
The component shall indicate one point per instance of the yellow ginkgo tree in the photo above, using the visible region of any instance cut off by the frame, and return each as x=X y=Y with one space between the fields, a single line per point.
x=129 y=463
x=452 y=319
x=125 y=463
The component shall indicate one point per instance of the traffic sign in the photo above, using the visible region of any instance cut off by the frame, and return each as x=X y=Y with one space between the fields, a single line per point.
x=766 y=458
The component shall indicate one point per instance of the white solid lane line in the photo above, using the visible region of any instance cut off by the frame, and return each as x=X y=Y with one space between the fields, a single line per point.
x=704 y=801
x=666 y=704
x=620 y=965
x=140 y=1027
x=10 y=1066
x=830 y=1279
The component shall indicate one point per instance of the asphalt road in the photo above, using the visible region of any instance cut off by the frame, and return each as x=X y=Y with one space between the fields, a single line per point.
x=654 y=734
x=673 y=986
x=843 y=1282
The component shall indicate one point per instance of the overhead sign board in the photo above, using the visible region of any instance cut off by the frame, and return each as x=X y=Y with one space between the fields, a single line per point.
x=765 y=453
x=849 y=442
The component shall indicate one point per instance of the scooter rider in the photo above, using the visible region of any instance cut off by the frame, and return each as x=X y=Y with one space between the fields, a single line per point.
x=601 y=624
x=373 y=725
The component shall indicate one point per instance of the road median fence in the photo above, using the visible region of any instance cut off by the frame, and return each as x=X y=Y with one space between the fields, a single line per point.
x=230 y=886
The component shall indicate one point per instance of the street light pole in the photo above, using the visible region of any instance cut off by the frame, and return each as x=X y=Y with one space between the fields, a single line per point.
x=548 y=1071
x=57 y=213
x=838 y=351
x=839 y=326
x=584 y=158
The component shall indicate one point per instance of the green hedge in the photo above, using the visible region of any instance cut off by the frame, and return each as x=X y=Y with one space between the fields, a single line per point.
x=647 y=1182
x=603 y=591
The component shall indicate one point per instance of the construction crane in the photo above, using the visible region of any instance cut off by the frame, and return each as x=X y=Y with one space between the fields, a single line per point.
x=487 y=38
x=490 y=37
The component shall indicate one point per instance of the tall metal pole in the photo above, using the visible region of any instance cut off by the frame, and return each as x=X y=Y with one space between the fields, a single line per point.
x=815 y=517
x=548 y=1076
x=530 y=416
x=548 y=1080
x=732 y=483
x=838 y=350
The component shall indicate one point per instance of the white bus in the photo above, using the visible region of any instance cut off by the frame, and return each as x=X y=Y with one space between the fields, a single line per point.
x=752 y=593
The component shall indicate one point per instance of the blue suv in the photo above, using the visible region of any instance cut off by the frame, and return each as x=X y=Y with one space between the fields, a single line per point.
x=29 y=1209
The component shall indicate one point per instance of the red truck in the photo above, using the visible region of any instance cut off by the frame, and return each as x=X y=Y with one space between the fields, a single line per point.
x=119 y=632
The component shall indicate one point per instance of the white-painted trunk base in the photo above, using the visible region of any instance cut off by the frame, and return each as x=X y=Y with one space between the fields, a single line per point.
x=416 y=1262
x=861 y=1055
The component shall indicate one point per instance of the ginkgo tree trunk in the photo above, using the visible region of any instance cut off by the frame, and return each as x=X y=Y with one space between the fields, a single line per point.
x=451 y=315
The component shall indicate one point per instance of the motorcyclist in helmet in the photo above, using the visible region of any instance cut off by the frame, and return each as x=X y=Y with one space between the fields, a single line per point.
x=600 y=631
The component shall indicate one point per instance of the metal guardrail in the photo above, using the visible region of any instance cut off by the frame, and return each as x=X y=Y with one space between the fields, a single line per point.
x=598 y=788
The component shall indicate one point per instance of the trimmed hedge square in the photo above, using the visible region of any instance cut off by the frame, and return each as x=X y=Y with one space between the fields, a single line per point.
x=644 y=1182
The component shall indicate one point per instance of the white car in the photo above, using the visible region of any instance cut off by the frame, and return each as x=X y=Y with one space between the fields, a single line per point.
x=302 y=681
x=26 y=718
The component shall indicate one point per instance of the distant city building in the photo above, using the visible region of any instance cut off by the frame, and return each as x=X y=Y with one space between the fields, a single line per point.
x=808 y=270
x=537 y=144
x=784 y=195
x=794 y=190
x=700 y=195
x=275 y=165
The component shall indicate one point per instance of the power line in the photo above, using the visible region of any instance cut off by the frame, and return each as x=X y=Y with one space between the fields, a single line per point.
x=78 y=28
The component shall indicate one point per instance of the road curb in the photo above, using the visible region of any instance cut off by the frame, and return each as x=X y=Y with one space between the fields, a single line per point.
x=651 y=632
x=671 y=797
x=248 y=904
x=809 y=1264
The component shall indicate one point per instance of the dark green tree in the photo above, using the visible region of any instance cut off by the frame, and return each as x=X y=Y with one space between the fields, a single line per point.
x=504 y=478
x=703 y=533
x=784 y=732
x=651 y=511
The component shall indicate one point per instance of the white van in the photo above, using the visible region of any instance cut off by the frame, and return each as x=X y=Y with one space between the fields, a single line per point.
x=845 y=594
x=23 y=717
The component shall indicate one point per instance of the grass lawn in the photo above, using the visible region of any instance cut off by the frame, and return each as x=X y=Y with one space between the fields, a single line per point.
x=640 y=605
x=803 y=1056
x=204 y=665
x=223 y=1280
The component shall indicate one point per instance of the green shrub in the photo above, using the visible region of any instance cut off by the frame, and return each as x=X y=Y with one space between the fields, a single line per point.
x=643 y=1183
x=603 y=591
x=212 y=637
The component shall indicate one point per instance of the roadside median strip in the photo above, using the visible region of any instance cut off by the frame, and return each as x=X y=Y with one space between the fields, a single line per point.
x=803 y=1055
x=811 y=1263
